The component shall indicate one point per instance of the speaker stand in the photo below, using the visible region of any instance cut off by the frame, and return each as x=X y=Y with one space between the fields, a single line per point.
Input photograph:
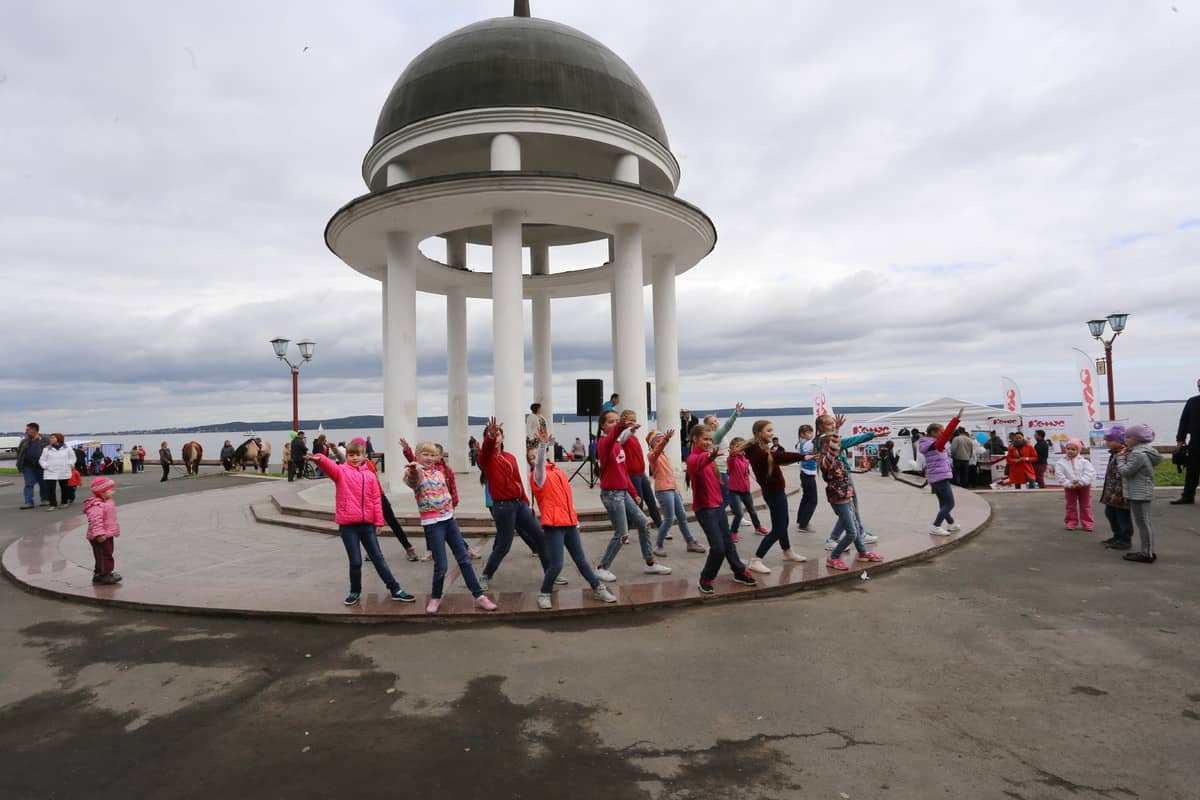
x=588 y=462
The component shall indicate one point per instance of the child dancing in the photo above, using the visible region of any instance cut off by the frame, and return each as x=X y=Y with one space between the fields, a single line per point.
x=709 y=505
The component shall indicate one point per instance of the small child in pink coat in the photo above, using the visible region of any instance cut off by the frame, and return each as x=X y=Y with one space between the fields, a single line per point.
x=103 y=528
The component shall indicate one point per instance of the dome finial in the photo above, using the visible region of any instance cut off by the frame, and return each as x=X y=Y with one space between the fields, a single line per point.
x=520 y=8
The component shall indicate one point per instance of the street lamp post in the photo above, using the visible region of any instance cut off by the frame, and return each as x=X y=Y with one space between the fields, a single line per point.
x=1096 y=328
x=280 y=346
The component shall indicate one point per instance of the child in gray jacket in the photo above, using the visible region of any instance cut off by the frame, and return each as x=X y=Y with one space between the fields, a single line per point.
x=1136 y=464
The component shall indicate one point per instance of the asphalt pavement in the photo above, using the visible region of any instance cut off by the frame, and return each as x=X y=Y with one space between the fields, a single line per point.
x=1028 y=663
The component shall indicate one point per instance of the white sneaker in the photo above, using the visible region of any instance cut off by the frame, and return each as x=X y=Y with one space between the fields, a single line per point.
x=545 y=602
x=655 y=569
x=870 y=538
x=603 y=594
x=830 y=544
x=756 y=565
x=954 y=527
x=934 y=530
x=560 y=581
x=605 y=575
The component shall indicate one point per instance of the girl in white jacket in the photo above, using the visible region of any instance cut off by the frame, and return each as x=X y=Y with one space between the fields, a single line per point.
x=1076 y=474
x=57 y=461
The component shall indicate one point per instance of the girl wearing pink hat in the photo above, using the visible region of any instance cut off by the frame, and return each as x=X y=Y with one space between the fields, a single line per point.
x=1076 y=474
x=103 y=528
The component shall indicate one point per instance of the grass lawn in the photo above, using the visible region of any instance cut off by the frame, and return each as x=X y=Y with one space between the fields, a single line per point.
x=1165 y=474
x=9 y=471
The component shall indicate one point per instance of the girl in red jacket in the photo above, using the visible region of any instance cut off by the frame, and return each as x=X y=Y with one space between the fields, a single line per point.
x=358 y=512
x=740 y=498
x=103 y=528
x=709 y=503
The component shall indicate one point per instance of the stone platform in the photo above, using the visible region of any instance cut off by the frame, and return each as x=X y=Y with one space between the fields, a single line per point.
x=206 y=553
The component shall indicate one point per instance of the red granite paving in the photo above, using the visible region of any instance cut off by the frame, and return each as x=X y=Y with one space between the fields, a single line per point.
x=205 y=553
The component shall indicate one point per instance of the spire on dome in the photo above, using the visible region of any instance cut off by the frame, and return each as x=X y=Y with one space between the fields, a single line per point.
x=520 y=8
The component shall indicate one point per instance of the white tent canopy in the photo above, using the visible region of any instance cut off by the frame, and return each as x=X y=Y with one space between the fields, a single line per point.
x=975 y=415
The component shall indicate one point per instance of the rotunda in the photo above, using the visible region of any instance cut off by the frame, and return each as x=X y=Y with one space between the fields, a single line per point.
x=520 y=132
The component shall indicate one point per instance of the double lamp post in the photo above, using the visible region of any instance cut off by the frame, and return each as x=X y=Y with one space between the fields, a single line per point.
x=1096 y=328
x=280 y=345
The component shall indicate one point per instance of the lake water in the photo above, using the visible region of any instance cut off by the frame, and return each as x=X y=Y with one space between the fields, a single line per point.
x=1163 y=417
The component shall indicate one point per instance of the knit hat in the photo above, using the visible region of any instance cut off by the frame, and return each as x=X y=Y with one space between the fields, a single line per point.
x=102 y=485
x=359 y=440
x=1141 y=432
x=1115 y=434
x=1076 y=443
x=652 y=436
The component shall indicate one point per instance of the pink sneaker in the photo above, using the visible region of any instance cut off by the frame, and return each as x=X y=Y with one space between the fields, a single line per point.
x=433 y=605
x=484 y=603
x=761 y=531
x=836 y=563
x=870 y=555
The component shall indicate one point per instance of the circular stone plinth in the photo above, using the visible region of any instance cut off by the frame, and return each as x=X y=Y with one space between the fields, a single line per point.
x=204 y=553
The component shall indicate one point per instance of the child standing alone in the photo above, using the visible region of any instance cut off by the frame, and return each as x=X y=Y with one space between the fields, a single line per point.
x=1076 y=474
x=358 y=512
x=103 y=528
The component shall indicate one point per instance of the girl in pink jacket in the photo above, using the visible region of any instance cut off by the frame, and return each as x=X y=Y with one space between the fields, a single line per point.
x=103 y=528
x=358 y=512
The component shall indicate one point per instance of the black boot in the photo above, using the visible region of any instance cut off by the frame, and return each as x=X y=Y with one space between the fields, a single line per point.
x=1184 y=501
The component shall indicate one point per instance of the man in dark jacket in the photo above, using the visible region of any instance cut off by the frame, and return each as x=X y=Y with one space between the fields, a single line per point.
x=299 y=451
x=228 y=453
x=1042 y=448
x=29 y=454
x=1189 y=435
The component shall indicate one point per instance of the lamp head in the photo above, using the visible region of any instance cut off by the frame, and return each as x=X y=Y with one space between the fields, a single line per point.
x=1117 y=321
x=306 y=348
x=280 y=345
x=1096 y=327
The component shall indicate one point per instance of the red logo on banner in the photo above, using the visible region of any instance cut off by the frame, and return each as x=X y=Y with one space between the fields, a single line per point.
x=1089 y=395
x=1012 y=400
x=1045 y=423
x=819 y=406
x=878 y=430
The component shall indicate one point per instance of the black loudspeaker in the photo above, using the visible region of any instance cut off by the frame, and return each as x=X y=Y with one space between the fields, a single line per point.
x=589 y=396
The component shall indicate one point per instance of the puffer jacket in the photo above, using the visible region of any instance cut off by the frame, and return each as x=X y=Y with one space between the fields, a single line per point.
x=1075 y=470
x=102 y=518
x=57 y=463
x=357 y=498
x=937 y=462
x=1137 y=471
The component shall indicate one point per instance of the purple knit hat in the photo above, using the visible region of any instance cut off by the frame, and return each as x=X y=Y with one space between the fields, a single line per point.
x=1116 y=434
x=1140 y=432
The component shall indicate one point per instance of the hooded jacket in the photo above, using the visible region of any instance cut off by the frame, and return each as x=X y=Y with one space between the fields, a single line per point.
x=102 y=518
x=357 y=498
x=1137 y=471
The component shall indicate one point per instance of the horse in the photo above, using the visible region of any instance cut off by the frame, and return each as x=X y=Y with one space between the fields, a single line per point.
x=192 y=453
x=253 y=453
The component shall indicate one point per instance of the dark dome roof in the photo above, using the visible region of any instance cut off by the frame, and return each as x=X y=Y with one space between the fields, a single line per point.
x=521 y=62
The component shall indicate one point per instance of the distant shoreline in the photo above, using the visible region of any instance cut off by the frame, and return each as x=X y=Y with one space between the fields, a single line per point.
x=376 y=420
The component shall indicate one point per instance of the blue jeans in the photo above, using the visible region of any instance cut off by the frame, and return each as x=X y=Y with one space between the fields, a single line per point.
x=671 y=504
x=777 y=504
x=945 y=496
x=847 y=528
x=646 y=489
x=33 y=477
x=513 y=516
x=739 y=501
x=437 y=536
x=621 y=511
x=556 y=537
x=715 y=525
x=356 y=538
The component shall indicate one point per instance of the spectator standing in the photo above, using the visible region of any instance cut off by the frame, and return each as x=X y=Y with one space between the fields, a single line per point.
x=1042 y=448
x=534 y=424
x=296 y=462
x=611 y=405
x=56 y=461
x=165 y=460
x=1021 y=457
x=1189 y=436
x=29 y=454
x=227 y=455
x=961 y=449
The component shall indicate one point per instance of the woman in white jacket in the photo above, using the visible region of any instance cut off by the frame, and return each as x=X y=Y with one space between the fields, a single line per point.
x=1076 y=474
x=57 y=461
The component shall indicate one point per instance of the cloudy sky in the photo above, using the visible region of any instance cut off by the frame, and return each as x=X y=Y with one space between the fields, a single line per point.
x=914 y=201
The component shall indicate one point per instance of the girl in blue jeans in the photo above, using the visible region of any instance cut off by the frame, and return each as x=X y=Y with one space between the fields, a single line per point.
x=616 y=493
x=666 y=491
x=436 y=507
x=840 y=494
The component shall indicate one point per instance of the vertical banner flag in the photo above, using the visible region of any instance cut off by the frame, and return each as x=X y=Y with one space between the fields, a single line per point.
x=1086 y=372
x=1011 y=394
x=820 y=403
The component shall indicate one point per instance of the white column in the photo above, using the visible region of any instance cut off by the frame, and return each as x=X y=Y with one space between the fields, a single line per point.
x=666 y=353
x=456 y=359
x=506 y=152
x=612 y=320
x=400 y=366
x=627 y=169
x=397 y=172
x=630 y=368
x=543 y=357
x=508 y=331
